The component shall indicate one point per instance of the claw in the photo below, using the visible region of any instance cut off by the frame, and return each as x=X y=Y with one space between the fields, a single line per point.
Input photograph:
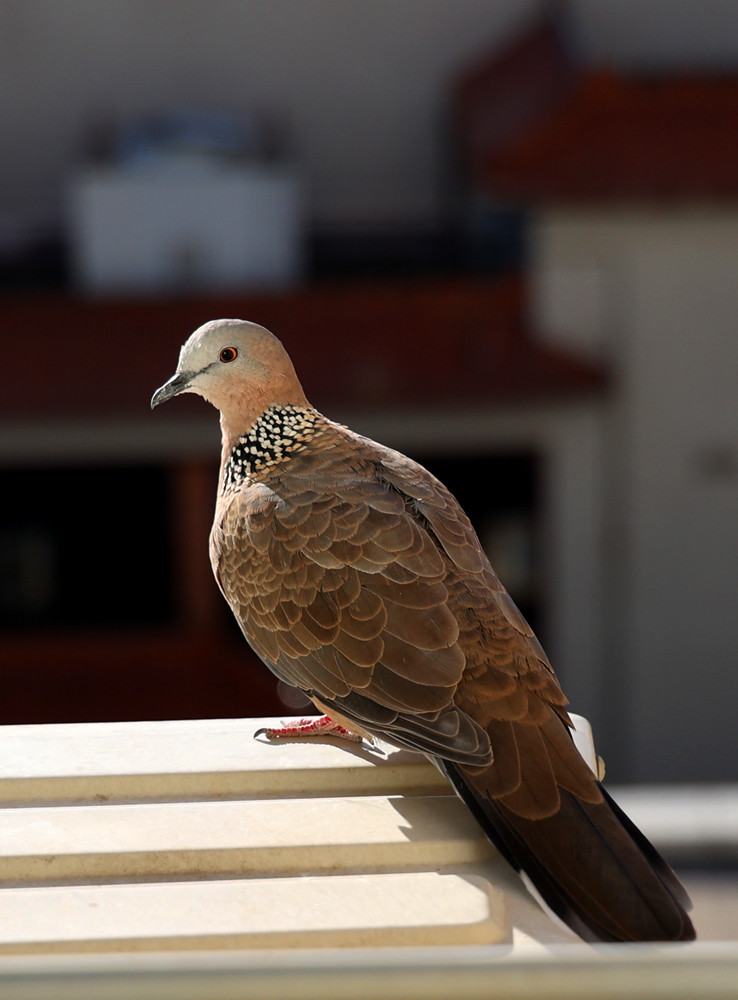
x=318 y=725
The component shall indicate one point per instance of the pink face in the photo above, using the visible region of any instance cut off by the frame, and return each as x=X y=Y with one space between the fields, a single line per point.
x=238 y=367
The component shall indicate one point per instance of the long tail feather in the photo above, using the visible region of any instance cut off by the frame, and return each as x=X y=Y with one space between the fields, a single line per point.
x=589 y=863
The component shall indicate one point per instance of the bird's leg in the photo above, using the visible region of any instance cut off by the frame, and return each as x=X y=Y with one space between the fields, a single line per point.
x=316 y=725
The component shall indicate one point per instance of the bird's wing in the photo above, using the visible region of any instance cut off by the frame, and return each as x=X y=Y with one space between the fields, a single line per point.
x=357 y=577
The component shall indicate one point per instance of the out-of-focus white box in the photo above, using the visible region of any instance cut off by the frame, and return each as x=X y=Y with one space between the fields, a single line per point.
x=214 y=227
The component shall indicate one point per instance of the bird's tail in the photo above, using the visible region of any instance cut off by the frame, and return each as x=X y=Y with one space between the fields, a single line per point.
x=589 y=863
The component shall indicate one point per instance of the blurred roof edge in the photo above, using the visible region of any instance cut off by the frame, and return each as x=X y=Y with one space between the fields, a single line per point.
x=401 y=343
x=536 y=126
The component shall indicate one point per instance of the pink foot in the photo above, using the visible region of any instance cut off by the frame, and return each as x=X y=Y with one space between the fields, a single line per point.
x=316 y=725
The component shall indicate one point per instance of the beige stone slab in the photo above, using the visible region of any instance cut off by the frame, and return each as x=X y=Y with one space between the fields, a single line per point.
x=330 y=911
x=209 y=758
x=569 y=972
x=272 y=836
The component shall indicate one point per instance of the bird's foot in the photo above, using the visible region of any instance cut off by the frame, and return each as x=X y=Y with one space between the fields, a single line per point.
x=316 y=725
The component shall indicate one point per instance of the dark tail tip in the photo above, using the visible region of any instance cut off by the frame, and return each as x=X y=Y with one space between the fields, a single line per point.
x=590 y=864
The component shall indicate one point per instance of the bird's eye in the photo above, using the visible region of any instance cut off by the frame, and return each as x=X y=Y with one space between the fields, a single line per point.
x=228 y=354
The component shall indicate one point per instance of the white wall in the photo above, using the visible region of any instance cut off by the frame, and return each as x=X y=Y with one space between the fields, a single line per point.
x=666 y=314
x=364 y=82
x=685 y=497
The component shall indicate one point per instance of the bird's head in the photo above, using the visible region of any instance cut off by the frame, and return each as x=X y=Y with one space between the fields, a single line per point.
x=239 y=367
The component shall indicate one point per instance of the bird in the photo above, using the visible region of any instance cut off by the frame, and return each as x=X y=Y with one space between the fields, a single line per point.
x=356 y=577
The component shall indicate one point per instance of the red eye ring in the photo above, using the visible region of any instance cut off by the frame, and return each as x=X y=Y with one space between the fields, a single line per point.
x=228 y=354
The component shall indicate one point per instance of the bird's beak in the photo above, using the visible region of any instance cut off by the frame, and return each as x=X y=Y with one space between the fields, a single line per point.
x=179 y=382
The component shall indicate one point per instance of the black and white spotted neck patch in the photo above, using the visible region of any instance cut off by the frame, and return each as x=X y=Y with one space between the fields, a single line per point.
x=280 y=431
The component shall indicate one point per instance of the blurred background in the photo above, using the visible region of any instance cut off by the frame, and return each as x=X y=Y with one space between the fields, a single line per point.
x=501 y=236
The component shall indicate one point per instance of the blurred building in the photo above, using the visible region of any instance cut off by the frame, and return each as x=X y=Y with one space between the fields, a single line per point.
x=109 y=609
x=630 y=183
x=556 y=344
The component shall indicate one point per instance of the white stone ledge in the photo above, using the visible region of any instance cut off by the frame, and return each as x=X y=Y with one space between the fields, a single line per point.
x=422 y=908
x=193 y=759
x=220 y=759
x=174 y=836
x=566 y=972
x=250 y=837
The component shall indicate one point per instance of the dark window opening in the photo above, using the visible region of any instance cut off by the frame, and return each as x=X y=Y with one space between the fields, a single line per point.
x=85 y=548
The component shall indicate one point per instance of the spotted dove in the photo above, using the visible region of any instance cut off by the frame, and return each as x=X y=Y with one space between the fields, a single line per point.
x=355 y=576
